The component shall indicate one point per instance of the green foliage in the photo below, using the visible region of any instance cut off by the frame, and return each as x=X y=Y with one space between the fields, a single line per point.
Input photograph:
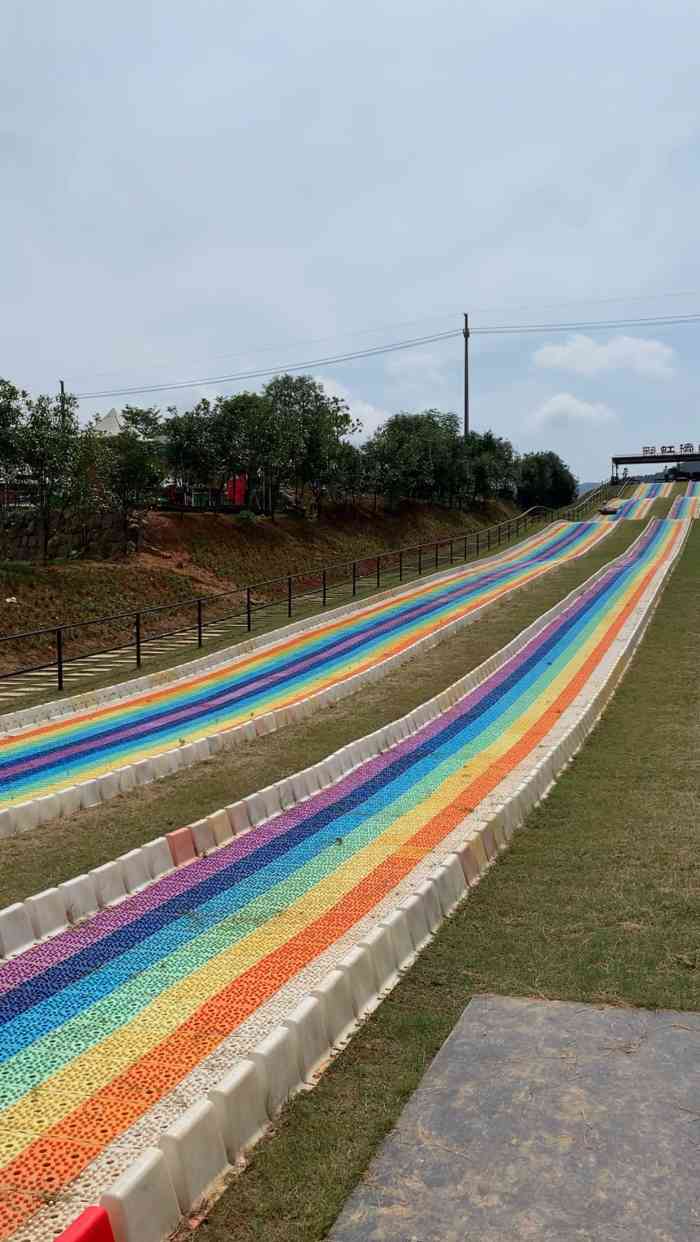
x=291 y=435
x=545 y=480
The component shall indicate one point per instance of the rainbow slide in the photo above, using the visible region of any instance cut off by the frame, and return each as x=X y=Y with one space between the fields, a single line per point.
x=147 y=1003
x=59 y=754
x=687 y=506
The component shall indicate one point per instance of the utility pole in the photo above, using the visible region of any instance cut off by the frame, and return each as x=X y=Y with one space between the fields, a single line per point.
x=466 y=376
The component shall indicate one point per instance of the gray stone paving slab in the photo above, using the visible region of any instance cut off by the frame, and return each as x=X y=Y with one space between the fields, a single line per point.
x=548 y=1121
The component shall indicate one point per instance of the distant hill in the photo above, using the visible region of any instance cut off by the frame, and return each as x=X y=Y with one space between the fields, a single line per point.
x=587 y=487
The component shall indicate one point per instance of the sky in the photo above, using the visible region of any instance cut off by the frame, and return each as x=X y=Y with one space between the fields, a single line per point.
x=194 y=190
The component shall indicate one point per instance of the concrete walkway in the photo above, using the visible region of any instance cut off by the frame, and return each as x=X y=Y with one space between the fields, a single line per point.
x=545 y=1121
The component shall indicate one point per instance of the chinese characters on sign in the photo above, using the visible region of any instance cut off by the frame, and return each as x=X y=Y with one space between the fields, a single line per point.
x=668 y=450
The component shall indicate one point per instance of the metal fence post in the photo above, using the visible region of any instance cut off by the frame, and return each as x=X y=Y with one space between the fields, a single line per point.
x=452 y=548
x=59 y=656
x=324 y=588
x=289 y=596
x=378 y=571
x=354 y=578
x=488 y=539
x=249 y=619
x=465 y=547
x=137 y=638
x=420 y=559
x=401 y=565
x=199 y=622
x=436 y=553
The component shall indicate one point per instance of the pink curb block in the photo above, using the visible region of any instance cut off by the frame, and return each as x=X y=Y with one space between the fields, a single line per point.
x=181 y=844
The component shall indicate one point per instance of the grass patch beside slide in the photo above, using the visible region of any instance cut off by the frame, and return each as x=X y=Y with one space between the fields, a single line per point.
x=597 y=901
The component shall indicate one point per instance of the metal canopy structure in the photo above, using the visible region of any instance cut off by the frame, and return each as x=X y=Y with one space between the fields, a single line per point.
x=683 y=459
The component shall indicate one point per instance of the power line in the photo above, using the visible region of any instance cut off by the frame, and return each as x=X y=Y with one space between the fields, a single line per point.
x=526 y=304
x=395 y=346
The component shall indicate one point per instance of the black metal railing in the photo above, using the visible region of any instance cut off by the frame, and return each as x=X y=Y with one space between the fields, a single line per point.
x=242 y=605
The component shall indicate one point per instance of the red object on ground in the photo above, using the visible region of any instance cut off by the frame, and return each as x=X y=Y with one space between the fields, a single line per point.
x=91 y=1226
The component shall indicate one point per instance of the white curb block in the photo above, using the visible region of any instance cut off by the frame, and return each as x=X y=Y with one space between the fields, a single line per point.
x=277 y=1056
x=16 y=931
x=194 y=1153
x=309 y=1026
x=239 y=1100
x=142 y=1205
x=47 y=913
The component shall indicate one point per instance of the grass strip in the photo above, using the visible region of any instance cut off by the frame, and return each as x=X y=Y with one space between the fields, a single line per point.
x=598 y=901
x=67 y=847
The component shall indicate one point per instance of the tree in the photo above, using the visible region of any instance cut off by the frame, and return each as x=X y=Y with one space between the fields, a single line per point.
x=46 y=441
x=545 y=480
x=187 y=446
x=312 y=427
x=13 y=404
x=131 y=471
x=245 y=439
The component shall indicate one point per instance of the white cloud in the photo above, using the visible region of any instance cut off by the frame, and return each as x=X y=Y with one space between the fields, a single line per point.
x=567 y=410
x=369 y=415
x=584 y=356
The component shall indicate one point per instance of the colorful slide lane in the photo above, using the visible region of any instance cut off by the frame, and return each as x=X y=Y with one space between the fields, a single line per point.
x=687 y=506
x=639 y=505
x=51 y=757
x=96 y=1027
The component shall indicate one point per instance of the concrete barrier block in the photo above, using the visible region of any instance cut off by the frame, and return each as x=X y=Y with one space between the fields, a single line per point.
x=286 y=794
x=203 y=836
x=24 y=817
x=127 y=780
x=109 y=883
x=142 y=1205
x=278 y=1056
x=89 y=794
x=159 y=860
x=220 y=826
x=300 y=787
x=414 y=910
x=47 y=913
x=313 y=783
x=239 y=817
x=201 y=750
x=7 y=827
x=308 y=1022
x=431 y=904
x=16 y=931
x=143 y=772
x=397 y=925
x=271 y=801
x=450 y=883
x=47 y=807
x=324 y=775
x=380 y=945
x=248 y=731
x=108 y=786
x=489 y=843
x=469 y=864
x=240 y=1102
x=181 y=843
x=357 y=965
x=187 y=755
x=79 y=898
x=256 y=809
x=334 y=993
x=135 y=870
x=194 y=1153
x=216 y=744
